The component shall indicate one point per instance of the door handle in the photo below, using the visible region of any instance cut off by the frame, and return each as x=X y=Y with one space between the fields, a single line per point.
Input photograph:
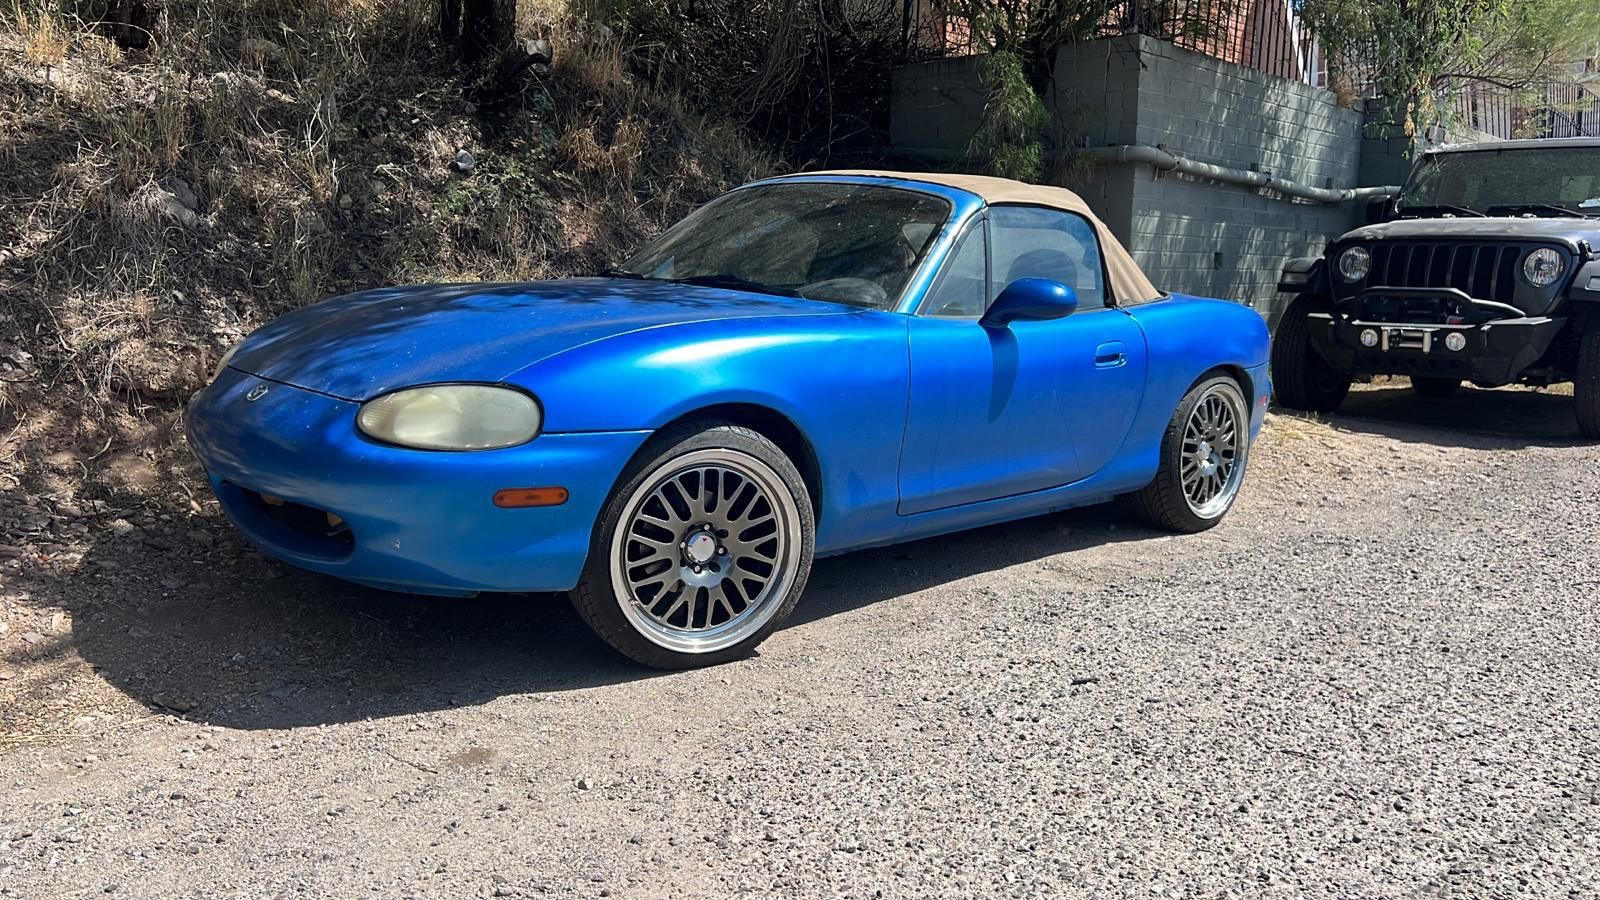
x=1110 y=354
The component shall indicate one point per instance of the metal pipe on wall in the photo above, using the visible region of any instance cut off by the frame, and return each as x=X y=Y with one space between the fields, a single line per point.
x=1171 y=162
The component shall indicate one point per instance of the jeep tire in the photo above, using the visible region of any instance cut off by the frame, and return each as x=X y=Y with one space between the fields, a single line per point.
x=1302 y=379
x=1586 y=383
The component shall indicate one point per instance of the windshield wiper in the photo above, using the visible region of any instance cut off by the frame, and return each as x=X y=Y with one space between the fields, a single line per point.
x=725 y=280
x=1514 y=209
x=1426 y=209
x=614 y=272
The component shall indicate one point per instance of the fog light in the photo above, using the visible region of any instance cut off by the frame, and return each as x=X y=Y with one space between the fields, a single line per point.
x=1456 y=341
x=1369 y=337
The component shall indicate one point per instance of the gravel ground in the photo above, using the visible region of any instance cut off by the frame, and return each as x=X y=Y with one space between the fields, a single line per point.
x=1376 y=679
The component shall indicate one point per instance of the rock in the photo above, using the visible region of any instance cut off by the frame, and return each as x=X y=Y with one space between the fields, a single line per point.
x=584 y=783
x=10 y=551
x=159 y=202
x=1085 y=679
x=31 y=637
x=464 y=163
x=539 y=50
x=176 y=704
x=183 y=192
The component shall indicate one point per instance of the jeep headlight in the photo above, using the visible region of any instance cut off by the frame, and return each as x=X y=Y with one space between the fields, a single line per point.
x=1542 y=267
x=452 y=417
x=1355 y=264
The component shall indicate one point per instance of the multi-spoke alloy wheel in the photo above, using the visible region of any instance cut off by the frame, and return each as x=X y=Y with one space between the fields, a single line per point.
x=703 y=551
x=1211 y=468
x=1203 y=456
x=705 y=548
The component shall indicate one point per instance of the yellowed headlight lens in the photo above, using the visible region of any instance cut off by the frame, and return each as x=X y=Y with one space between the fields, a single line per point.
x=452 y=417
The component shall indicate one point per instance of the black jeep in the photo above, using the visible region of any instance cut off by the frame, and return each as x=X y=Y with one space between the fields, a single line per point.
x=1487 y=270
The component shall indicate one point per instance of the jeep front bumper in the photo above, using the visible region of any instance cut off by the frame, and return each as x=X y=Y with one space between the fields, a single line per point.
x=1490 y=353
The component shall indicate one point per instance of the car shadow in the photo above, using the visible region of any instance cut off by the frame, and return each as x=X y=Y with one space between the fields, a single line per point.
x=1502 y=418
x=204 y=626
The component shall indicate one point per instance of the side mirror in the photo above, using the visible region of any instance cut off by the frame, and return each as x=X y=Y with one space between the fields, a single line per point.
x=1030 y=298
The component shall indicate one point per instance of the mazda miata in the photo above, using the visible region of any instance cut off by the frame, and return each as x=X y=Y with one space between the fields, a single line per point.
x=805 y=366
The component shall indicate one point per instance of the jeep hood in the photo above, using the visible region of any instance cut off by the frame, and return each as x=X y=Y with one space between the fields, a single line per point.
x=363 y=345
x=1560 y=231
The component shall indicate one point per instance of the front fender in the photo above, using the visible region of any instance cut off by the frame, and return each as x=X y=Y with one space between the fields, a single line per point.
x=1304 y=274
x=842 y=380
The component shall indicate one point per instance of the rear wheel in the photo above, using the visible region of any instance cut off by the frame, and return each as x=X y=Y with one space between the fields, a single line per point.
x=1203 y=456
x=1586 y=386
x=1435 y=388
x=703 y=550
x=1302 y=379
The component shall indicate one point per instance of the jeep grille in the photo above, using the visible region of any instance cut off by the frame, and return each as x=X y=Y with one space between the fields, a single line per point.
x=1483 y=271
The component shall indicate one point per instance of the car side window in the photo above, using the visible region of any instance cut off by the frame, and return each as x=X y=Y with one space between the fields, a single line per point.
x=961 y=289
x=1032 y=242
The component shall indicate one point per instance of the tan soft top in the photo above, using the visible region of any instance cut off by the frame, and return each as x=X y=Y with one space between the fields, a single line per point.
x=1128 y=282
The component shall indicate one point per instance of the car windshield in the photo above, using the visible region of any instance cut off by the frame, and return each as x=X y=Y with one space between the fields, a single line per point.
x=844 y=243
x=1540 y=181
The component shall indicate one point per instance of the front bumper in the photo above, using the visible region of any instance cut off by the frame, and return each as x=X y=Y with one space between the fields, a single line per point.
x=1495 y=352
x=283 y=458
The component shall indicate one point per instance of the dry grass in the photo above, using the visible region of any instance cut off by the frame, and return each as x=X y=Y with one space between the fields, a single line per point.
x=257 y=156
x=44 y=41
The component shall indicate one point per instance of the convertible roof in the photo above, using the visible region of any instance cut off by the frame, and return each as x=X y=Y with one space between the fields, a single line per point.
x=1128 y=282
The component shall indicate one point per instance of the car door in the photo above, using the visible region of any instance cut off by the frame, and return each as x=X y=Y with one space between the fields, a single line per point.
x=996 y=412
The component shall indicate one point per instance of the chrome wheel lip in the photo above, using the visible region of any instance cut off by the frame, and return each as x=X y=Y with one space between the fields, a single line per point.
x=767 y=602
x=1214 y=451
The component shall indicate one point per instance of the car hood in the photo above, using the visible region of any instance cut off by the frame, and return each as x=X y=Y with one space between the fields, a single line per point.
x=363 y=345
x=1564 y=231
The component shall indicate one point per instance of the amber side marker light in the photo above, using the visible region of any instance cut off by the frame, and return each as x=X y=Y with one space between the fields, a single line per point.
x=512 y=498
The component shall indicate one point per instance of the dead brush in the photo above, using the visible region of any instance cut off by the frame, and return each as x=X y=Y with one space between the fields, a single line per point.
x=314 y=140
x=45 y=40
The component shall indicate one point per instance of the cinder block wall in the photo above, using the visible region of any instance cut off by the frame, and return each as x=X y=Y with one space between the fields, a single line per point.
x=1191 y=235
x=1225 y=240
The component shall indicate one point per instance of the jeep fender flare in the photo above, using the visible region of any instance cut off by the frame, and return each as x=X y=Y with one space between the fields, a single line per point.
x=1586 y=284
x=1304 y=275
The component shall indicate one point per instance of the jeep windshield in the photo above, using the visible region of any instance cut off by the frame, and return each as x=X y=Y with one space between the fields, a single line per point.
x=1506 y=181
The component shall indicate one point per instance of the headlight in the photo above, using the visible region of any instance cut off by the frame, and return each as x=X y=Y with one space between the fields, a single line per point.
x=1354 y=264
x=1542 y=267
x=452 y=417
x=227 y=357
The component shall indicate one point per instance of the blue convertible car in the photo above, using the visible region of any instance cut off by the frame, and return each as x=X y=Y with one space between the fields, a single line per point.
x=807 y=365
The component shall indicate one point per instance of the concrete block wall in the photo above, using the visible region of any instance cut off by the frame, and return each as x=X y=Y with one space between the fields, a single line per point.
x=1204 y=237
x=1190 y=235
x=1386 y=152
x=936 y=106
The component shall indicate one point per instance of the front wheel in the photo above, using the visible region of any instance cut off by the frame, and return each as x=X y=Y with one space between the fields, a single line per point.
x=1586 y=384
x=703 y=550
x=1203 y=455
x=1302 y=379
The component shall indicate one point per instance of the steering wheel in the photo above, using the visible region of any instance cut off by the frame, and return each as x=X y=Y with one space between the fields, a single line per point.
x=858 y=291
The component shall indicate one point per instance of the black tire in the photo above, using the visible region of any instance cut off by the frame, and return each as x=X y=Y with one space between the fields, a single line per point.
x=1586 y=384
x=600 y=599
x=1301 y=378
x=1435 y=388
x=1165 y=502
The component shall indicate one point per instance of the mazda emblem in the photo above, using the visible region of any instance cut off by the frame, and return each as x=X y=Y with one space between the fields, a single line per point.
x=256 y=393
